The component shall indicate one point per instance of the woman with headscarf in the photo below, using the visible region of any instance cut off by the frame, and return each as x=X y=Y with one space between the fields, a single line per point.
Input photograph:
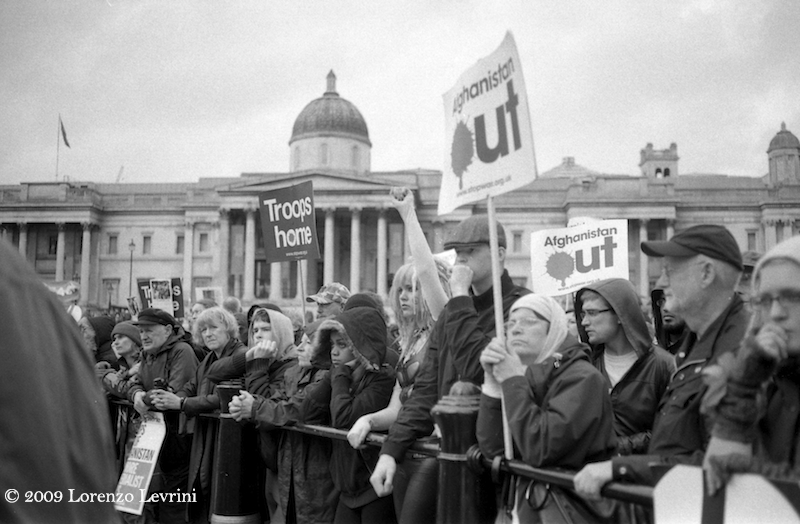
x=559 y=411
x=755 y=394
x=218 y=331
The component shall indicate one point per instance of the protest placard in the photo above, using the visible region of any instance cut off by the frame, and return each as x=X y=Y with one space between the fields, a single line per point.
x=487 y=131
x=566 y=259
x=288 y=223
x=140 y=463
x=149 y=296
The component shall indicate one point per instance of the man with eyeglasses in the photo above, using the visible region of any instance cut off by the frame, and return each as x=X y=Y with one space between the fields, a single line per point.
x=463 y=330
x=765 y=373
x=636 y=372
x=701 y=267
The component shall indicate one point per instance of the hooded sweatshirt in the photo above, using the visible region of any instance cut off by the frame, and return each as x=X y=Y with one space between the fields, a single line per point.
x=103 y=326
x=347 y=393
x=636 y=396
x=758 y=399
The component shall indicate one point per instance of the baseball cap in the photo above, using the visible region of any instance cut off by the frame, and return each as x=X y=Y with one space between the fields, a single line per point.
x=474 y=231
x=706 y=239
x=333 y=292
x=152 y=317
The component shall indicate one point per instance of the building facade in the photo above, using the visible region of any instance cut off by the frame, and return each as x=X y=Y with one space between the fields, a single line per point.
x=208 y=233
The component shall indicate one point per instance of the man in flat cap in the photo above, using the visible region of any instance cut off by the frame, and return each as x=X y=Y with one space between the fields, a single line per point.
x=171 y=361
x=330 y=299
x=463 y=330
x=701 y=267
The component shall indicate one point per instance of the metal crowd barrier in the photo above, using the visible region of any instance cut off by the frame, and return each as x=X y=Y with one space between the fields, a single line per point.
x=467 y=491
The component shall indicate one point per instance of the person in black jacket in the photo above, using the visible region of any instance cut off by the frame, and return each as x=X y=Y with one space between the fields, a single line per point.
x=359 y=383
x=462 y=331
x=699 y=275
x=636 y=371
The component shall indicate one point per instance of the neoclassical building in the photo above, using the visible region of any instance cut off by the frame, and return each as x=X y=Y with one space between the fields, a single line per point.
x=208 y=233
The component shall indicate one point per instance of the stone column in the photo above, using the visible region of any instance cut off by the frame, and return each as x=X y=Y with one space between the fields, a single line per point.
x=770 y=234
x=644 y=278
x=355 y=249
x=224 y=249
x=188 y=257
x=670 y=228
x=86 y=250
x=330 y=231
x=275 y=281
x=23 y=239
x=382 y=249
x=248 y=294
x=62 y=228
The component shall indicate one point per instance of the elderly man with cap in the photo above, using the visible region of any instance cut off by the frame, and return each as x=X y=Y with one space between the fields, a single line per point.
x=167 y=362
x=330 y=299
x=462 y=331
x=700 y=271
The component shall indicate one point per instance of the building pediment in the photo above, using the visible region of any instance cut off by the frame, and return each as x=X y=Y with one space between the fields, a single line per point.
x=323 y=183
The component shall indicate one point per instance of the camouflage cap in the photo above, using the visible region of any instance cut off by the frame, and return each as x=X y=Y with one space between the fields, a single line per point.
x=329 y=293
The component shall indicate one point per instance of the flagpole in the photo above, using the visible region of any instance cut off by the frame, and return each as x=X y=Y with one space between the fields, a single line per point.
x=58 y=143
x=497 y=295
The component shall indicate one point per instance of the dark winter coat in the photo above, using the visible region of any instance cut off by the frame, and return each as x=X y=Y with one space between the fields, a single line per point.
x=303 y=461
x=636 y=396
x=464 y=328
x=680 y=432
x=201 y=397
x=347 y=393
x=559 y=415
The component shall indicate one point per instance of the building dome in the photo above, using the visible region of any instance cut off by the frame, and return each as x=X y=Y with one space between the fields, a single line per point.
x=784 y=140
x=330 y=116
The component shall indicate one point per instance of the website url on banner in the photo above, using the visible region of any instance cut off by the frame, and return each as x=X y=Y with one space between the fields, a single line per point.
x=487 y=185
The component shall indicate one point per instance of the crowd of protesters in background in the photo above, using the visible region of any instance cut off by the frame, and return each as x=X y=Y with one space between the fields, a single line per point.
x=605 y=383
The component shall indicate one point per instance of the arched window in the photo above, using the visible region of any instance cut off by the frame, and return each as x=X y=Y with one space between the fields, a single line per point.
x=658 y=172
x=355 y=157
x=323 y=154
x=666 y=172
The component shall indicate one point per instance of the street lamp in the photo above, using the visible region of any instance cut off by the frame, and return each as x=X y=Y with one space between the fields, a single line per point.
x=132 y=247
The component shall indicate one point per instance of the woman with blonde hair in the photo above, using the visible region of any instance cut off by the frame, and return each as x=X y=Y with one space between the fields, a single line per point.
x=419 y=292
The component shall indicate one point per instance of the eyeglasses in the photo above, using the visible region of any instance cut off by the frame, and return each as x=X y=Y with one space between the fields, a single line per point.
x=524 y=323
x=786 y=298
x=591 y=313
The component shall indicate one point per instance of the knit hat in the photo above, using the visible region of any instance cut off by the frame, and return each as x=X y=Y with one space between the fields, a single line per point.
x=129 y=330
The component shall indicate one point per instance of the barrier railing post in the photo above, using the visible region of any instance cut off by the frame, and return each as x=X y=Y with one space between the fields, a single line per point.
x=464 y=495
x=235 y=487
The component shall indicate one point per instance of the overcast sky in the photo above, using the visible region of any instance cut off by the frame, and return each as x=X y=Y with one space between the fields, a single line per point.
x=178 y=90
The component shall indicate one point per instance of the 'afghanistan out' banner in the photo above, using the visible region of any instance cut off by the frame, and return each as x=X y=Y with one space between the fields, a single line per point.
x=487 y=131
x=132 y=487
x=288 y=223
x=566 y=259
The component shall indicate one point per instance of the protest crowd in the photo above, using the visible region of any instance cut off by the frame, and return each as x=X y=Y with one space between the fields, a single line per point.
x=604 y=383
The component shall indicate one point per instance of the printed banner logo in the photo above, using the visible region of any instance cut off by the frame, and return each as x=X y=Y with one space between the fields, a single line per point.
x=487 y=125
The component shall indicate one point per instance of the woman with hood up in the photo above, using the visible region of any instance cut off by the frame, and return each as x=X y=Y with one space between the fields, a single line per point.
x=637 y=372
x=359 y=383
x=96 y=333
x=557 y=403
x=218 y=331
x=304 y=484
x=755 y=394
